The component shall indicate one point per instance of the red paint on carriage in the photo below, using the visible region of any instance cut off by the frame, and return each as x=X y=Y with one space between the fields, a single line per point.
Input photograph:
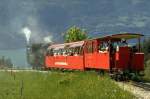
x=137 y=61
x=123 y=58
x=91 y=54
x=98 y=60
x=66 y=62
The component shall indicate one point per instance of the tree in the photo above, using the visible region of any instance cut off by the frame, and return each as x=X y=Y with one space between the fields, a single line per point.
x=146 y=48
x=75 y=34
x=5 y=62
x=8 y=63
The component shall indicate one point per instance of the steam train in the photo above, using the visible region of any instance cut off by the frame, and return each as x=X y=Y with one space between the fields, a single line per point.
x=110 y=53
x=36 y=55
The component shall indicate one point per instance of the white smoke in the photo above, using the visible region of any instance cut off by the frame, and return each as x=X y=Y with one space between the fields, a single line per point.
x=27 y=32
x=47 y=39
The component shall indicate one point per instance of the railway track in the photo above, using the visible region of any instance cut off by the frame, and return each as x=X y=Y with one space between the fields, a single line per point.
x=140 y=90
x=145 y=86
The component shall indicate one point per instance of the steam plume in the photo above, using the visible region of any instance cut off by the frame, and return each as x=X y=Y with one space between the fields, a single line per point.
x=48 y=39
x=27 y=33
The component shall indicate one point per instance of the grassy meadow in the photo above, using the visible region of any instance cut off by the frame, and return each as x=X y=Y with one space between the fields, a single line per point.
x=147 y=71
x=59 y=85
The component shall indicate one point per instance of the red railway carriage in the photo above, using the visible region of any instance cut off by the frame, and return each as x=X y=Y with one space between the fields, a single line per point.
x=110 y=53
x=68 y=56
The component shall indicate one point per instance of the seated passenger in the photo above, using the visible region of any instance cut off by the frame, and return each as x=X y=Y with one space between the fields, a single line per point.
x=59 y=53
x=64 y=54
x=103 y=48
x=55 y=54
x=107 y=48
x=76 y=54
x=70 y=53
x=117 y=48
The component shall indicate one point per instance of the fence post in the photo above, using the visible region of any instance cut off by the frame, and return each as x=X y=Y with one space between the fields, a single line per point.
x=21 y=89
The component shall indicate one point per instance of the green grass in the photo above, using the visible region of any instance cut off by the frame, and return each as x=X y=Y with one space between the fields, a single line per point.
x=58 y=85
x=147 y=71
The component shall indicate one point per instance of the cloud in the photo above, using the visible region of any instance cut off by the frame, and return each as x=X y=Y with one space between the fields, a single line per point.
x=138 y=21
x=123 y=18
x=48 y=39
x=134 y=2
x=120 y=24
x=139 y=24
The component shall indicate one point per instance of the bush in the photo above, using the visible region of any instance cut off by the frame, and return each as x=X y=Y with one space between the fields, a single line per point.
x=5 y=62
x=146 y=48
x=147 y=70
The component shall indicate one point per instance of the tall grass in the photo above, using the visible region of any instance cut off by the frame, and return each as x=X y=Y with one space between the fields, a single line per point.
x=58 y=85
x=147 y=71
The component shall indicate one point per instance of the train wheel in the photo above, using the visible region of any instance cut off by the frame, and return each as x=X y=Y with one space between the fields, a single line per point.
x=101 y=72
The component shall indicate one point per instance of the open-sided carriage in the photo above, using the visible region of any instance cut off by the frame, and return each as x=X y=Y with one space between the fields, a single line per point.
x=109 y=53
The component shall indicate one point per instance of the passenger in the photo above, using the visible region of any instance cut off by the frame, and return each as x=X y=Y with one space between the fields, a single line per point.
x=59 y=54
x=76 y=54
x=110 y=46
x=124 y=42
x=134 y=49
x=70 y=53
x=107 y=48
x=103 y=47
x=64 y=54
x=55 y=54
x=117 y=48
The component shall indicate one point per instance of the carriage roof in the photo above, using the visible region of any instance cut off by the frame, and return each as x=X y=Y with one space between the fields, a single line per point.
x=105 y=38
x=69 y=45
x=120 y=36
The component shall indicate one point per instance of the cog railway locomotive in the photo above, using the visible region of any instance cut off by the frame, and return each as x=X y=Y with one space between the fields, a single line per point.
x=110 y=53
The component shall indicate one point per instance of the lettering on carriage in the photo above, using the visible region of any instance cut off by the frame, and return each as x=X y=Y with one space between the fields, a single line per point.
x=61 y=63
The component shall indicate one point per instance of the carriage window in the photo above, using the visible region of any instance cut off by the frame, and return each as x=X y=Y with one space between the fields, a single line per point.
x=49 y=52
x=81 y=51
x=73 y=51
x=67 y=51
x=55 y=52
x=90 y=47
x=78 y=51
x=60 y=52
x=103 y=46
